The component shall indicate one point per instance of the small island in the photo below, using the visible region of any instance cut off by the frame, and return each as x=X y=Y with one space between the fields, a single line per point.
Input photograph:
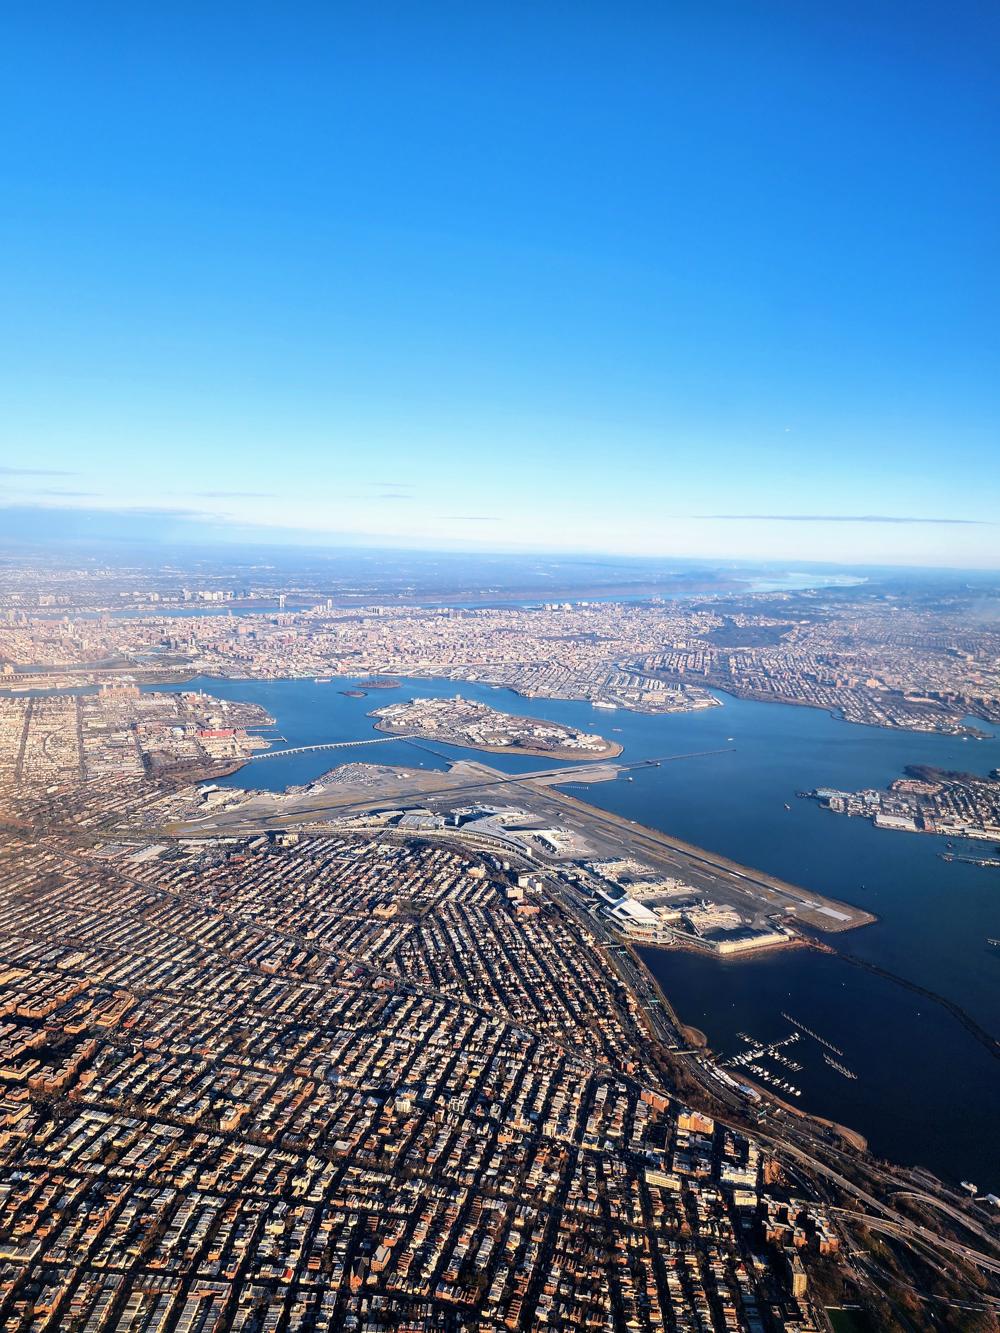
x=459 y=721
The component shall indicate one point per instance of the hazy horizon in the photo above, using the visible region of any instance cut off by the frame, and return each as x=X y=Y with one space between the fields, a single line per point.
x=157 y=534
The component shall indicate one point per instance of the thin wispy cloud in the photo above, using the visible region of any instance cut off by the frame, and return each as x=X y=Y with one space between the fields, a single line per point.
x=35 y=472
x=146 y=511
x=471 y=518
x=65 y=494
x=843 y=518
x=374 y=493
x=232 y=495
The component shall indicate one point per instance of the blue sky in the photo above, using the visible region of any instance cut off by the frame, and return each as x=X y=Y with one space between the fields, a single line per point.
x=676 y=278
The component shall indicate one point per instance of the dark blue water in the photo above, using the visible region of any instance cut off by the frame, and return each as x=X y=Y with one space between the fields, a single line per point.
x=927 y=1092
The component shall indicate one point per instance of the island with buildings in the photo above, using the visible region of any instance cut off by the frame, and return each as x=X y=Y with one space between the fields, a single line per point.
x=477 y=726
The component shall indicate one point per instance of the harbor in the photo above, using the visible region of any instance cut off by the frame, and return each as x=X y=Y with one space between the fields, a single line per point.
x=755 y=1055
x=754 y=1052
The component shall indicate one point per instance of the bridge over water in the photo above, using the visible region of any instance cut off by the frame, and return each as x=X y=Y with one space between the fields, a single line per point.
x=329 y=745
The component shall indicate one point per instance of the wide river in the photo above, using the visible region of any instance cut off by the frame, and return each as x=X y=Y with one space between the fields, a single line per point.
x=927 y=1091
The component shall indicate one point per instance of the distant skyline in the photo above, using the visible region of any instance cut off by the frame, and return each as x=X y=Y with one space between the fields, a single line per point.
x=675 y=279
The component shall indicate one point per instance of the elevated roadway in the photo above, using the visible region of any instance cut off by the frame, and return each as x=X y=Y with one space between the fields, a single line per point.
x=326 y=745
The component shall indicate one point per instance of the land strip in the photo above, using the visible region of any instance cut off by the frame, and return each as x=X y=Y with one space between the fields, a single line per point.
x=606 y=834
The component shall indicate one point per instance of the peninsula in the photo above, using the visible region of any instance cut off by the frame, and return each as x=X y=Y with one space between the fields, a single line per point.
x=926 y=800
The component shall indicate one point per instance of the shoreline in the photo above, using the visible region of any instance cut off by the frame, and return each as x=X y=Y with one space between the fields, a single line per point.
x=555 y=752
x=853 y=917
x=189 y=673
x=762 y=697
x=698 y=1041
x=949 y=835
x=738 y=956
x=852 y=1136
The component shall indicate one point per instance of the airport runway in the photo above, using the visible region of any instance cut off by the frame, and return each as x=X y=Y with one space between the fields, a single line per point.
x=608 y=834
